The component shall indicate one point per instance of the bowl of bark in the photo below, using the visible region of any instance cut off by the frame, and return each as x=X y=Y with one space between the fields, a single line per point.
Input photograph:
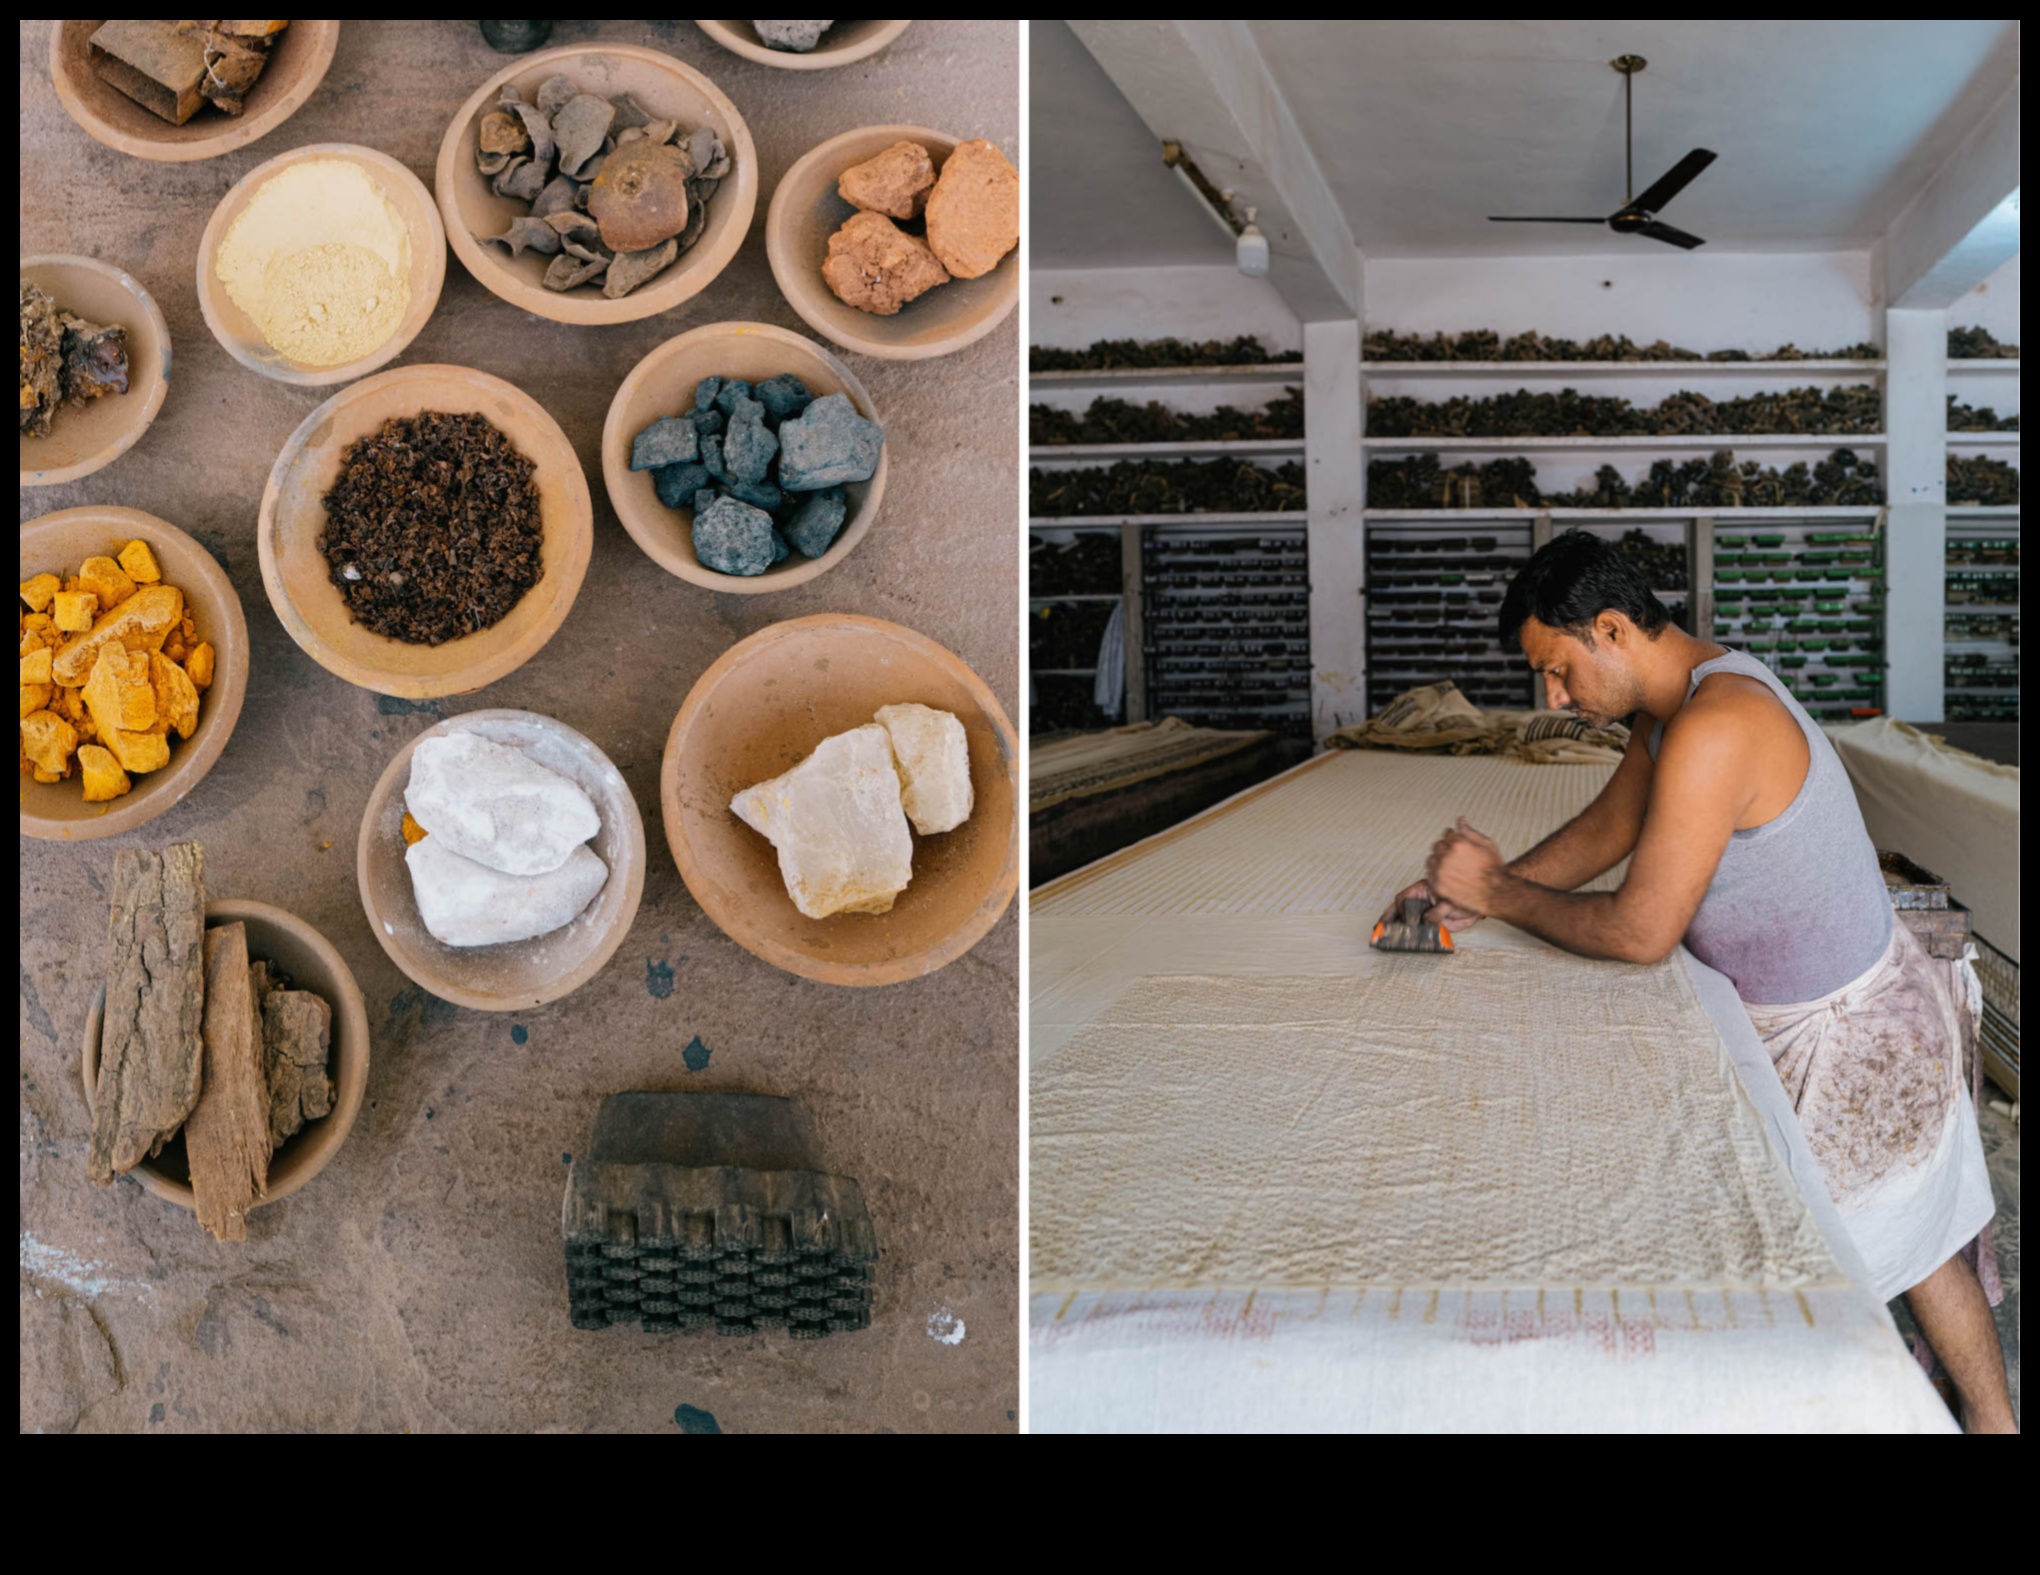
x=807 y=209
x=92 y=433
x=663 y=384
x=663 y=88
x=513 y=975
x=296 y=66
x=842 y=43
x=239 y=334
x=761 y=710
x=58 y=544
x=300 y=581
x=307 y=960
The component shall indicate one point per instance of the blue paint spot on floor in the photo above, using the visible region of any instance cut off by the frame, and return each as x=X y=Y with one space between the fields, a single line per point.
x=566 y=1159
x=658 y=978
x=519 y=1034
x=694 y=1420
x=696 y=1055
x=395 y=705
x=156 y=1412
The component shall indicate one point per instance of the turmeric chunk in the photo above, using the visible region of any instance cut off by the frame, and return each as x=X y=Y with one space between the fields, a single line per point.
x=198 y=667
x=119 y=693
x=35 y=665
x=43 y=776
x=48 y=741
x=39 y=591
x=140 y=563
x=103 y=776
x=141 y=623
x=137 y=752
x=34 y=697
x=75 y=610
x=107 y=580
x=176 y=696
x=413 y=832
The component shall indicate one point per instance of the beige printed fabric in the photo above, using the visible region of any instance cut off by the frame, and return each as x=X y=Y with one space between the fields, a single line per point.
x=1493 y=1119
x=1119 y=757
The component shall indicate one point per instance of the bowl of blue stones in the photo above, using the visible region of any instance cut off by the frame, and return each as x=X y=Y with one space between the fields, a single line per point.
x=744 y=458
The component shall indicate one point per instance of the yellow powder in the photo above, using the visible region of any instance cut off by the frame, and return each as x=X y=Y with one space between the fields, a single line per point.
x=320 y=261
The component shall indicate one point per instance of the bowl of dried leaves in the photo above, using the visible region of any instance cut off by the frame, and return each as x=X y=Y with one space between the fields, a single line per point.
x=803 y=46
x=597 y=183
x=95 y=366
x=425 y=531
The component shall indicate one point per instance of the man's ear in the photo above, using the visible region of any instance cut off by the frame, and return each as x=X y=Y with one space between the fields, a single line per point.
x=1613 y=627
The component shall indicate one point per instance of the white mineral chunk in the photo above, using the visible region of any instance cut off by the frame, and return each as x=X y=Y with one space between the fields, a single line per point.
x=797 y=36
x=838 y=824
x=934 y=761
x=468 y=904
x=497 y=806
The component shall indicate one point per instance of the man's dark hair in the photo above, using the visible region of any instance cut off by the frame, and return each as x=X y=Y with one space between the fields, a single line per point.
x=1570 y=581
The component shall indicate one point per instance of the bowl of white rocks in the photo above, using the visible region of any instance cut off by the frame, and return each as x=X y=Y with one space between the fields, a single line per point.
x=501 y=860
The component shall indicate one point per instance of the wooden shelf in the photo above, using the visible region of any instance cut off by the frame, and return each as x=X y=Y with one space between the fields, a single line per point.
x=1168 y=377
x=1983 y=364
x=1803 y=512
x=1063 y=672
x=1710 y=442
x=1100 y=521
x=1546 y=369
x=1983 y=440
x=1186 y=450
x=1082 y=596
x=1983 y=511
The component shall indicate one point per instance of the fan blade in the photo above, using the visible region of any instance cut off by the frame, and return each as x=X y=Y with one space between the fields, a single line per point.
x=1664 y=232
x=1671 y=183
x=1518 y=218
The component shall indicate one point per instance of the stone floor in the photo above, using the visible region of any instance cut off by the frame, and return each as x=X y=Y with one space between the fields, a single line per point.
x=2001 y=1151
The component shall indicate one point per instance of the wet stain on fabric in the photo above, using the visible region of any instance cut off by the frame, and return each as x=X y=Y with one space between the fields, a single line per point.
x=519 y=1034
x=692 y=1419
x=658 y=978
x=696 y=1055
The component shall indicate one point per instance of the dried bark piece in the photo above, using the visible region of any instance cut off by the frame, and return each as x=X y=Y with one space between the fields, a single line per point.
x=227 y=1136
x=974 y=210
x=150 y=1041
x=524 y=180
x=528 y=234
x=538 y=126
x=894 y=182
x=628 y=270
x=580 y=129
x=555 y=93
x=876 y=267
x=153 y=64
x=629 y=112
x=297 y=1029
x=565 y=273
x=558 y=197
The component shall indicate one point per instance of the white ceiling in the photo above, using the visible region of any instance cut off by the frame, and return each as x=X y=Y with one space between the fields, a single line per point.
x=1824 y=130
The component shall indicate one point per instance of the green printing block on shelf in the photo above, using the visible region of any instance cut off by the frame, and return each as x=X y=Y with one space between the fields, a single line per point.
x=1731 y=541
x=1824 y=679
x=1828 y=607
x=1813 y=645
x=1817 y=557
x=1791 y=661
x=1803 y=626
x=1774 y=557
x=1829 y=538
x=1870 y=606
x=1729 y=579
x=1852 y=558
x=1769 y=538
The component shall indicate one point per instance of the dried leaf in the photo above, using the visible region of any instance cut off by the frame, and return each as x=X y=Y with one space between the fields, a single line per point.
x=630 y=269
x=524 y=182
x=567 y=273
x=580 y=129
x=558 y=197
x=528 y=234
x=554 y=94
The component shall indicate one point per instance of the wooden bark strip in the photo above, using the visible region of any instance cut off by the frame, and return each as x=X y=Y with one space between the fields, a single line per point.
x=227 y=1136
x=149 y=1042
x=296 y=1028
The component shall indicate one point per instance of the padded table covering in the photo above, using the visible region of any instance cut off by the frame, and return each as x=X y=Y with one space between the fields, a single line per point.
x=1272 y=1187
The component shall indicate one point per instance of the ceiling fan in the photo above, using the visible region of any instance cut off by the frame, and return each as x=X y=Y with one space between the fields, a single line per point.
x=1638 y=214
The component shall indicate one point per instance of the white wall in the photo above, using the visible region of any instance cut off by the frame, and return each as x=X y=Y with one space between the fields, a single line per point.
x=1994 y=304
x=1073 y=307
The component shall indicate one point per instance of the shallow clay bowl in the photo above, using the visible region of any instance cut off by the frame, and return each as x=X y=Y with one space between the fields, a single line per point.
x=662 y=384
x=308 y=960
x=296 y=66
x=57 y=544
x=761 y=710
x=86 y=436
x=236 y=330
x=667 y=89
x=806 y=211
x=299 y=581
x=516 y=974
x=841 y=44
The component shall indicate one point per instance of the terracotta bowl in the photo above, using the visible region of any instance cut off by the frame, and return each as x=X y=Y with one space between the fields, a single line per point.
x=296 y=66
x=806 y=211
x=85 y=437
x=841 y=44
x=517 y=974
x=236 y=330
x=299 y=582
x=57 y=544
x=762 y=709
x=308 y=959
x=662 y=85
x=662 y=384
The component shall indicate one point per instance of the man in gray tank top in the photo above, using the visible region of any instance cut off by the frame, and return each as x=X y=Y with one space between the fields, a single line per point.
x=1745 y=842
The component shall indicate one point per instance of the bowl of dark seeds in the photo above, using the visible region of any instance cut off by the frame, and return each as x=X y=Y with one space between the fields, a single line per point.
x=597 y=183
x=425 y=531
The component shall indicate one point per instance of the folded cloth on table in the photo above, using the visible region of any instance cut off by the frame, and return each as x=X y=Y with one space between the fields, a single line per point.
x=1437 y=716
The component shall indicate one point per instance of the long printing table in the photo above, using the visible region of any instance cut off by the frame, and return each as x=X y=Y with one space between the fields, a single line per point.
x=1281 y=1181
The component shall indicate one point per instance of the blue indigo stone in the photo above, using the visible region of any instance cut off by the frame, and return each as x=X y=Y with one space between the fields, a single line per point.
x=705 y=499
x=733 y=389
x=782 y=396
x=665 y=442
x=816 y=519
x=779 y=547
x=677 y=484
x=828 y=444
x=749 y=445
x=760 y=495
x=705 y=392
x=734 y=538
x=707 y=421
x=712 y=457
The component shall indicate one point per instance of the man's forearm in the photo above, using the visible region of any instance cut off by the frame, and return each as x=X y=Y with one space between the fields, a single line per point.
x=1582 y=848
x=1589 y=923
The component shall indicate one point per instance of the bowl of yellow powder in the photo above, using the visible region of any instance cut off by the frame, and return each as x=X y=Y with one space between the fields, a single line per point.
x=321 y=265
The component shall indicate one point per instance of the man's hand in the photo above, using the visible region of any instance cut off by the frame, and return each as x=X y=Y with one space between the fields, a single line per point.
x=1448 y=914
x=1465 y=869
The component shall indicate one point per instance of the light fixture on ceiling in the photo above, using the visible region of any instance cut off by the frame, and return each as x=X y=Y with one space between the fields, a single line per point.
x=1252 y=250
x=1250 y=246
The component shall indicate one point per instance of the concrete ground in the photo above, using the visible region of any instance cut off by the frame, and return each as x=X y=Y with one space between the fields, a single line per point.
x=417 y=1284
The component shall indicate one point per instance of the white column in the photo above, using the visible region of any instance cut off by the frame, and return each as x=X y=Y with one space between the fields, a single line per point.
x=1335 y=473
x=1916 y=552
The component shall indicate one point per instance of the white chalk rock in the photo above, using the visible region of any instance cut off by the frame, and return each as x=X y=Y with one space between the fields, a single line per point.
x=838 y=824
x=468 y=904
x=496 y=805
x=934 y=762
